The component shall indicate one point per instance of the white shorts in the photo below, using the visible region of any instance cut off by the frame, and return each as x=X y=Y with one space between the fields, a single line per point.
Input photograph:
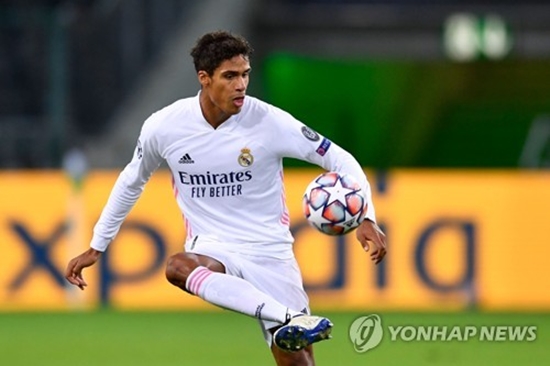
x=279 y=278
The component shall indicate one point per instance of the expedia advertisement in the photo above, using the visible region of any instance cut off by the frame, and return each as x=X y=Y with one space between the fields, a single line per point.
x=456 y=240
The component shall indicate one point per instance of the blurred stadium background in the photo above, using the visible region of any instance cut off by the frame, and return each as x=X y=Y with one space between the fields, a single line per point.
x=445 y=103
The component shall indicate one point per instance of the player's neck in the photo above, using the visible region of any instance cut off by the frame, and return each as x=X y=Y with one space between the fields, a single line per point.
x=211 y=112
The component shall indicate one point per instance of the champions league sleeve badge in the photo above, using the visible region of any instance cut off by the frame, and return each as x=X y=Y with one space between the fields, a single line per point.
x=323 y=147
x=245 y=159
x=310 y=134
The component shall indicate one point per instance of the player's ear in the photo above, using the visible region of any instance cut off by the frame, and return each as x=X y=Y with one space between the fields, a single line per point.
x=204 y=78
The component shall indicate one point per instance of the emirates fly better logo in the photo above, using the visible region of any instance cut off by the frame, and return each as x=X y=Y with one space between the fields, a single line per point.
x=366 y=332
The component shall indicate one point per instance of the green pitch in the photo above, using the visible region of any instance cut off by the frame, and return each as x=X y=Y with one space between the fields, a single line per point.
x=225 y=339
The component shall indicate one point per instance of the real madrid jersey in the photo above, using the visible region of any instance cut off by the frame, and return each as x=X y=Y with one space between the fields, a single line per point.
x=228 y=181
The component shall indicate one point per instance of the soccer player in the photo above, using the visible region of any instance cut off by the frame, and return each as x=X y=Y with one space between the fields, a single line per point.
x=225 y=151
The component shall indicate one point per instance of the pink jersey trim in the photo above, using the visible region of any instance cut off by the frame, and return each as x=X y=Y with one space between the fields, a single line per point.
x=285 y=217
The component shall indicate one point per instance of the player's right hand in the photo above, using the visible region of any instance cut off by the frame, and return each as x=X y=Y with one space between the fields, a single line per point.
x=369 y=234
x=73 y=274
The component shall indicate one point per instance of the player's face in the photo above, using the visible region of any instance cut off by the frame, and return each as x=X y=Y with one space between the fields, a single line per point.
x=226 y=88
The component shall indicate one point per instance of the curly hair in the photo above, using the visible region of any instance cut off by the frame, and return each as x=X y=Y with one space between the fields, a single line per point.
x=213 y=48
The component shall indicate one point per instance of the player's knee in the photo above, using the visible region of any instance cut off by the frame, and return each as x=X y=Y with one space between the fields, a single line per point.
x=178 y=268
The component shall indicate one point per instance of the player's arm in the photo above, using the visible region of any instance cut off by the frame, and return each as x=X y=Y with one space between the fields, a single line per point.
x=124 y=194
x=126 y=190
x=368 y=233
x=305 y=144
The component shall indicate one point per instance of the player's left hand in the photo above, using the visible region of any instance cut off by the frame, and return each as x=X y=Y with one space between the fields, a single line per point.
x=369 y=233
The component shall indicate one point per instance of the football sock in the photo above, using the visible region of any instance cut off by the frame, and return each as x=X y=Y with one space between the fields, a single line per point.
x=236 y=294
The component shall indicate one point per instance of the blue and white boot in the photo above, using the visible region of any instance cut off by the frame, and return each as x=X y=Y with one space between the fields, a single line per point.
x=301 y=331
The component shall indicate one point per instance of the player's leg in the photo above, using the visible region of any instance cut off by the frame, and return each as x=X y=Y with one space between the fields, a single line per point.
x=301 y=358
x=206 y=277
x=180 y=266
x=281 y=278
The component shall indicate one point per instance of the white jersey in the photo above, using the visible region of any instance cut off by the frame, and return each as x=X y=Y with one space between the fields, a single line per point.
x=228 y=181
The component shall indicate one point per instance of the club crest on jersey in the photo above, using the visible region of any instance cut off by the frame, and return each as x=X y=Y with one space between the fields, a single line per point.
x=245 y=159
x=310 y=134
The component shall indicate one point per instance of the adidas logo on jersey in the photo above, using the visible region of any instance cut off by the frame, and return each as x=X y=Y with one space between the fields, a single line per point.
x=186 y=159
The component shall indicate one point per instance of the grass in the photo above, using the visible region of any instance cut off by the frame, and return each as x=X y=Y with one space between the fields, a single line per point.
x=226 y=339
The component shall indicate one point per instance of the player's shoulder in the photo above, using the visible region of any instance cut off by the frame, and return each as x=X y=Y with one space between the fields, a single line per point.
x=178 y=109
x=263 y=110
x=181 y=109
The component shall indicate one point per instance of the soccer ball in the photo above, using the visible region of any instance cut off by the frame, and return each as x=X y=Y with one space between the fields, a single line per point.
x=334 y=203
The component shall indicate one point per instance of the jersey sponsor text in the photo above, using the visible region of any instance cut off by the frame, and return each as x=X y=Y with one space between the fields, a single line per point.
x=215 y=184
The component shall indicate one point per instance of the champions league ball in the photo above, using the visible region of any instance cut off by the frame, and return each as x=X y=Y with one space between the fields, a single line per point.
x=334 y=204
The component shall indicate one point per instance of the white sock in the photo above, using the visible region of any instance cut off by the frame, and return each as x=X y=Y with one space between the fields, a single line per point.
x=236 y=294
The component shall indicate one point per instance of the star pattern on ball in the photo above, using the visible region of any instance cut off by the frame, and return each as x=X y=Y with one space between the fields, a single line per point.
x=338 y=192
x=317 y=215
x=332 y=203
